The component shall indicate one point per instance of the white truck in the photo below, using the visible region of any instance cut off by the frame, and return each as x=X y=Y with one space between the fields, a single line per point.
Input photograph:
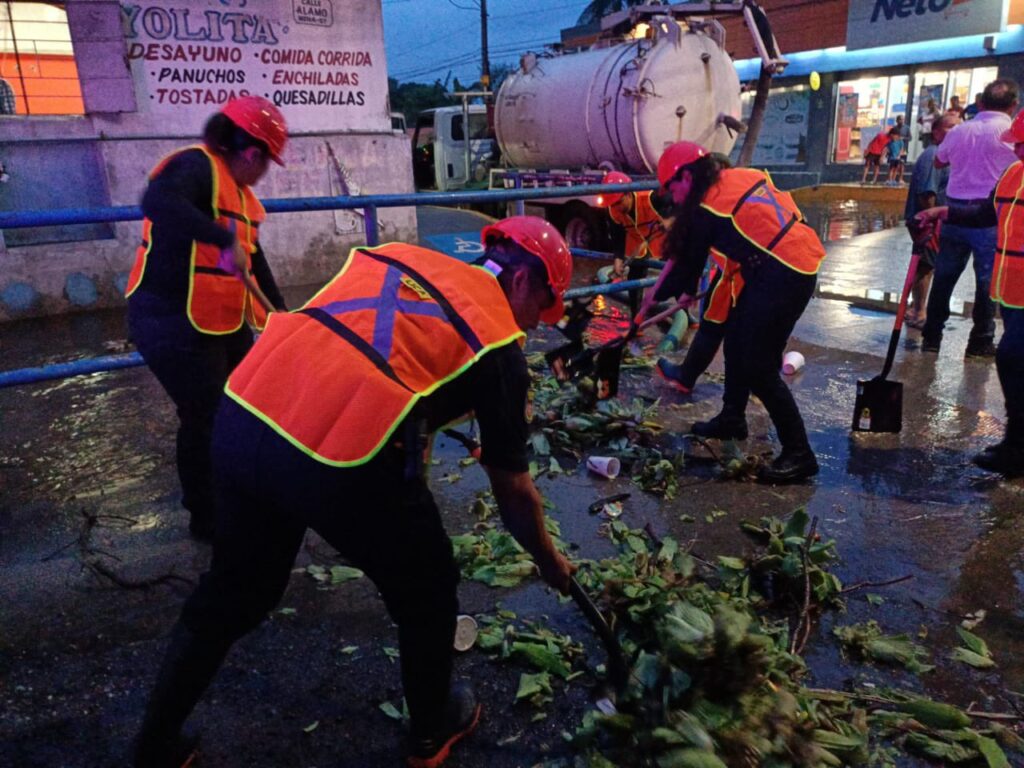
x=662 y=75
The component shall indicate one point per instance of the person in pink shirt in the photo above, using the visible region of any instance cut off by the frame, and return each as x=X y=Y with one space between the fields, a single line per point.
x=977 y=156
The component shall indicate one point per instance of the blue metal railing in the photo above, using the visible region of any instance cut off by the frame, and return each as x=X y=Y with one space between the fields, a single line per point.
x=369 y=204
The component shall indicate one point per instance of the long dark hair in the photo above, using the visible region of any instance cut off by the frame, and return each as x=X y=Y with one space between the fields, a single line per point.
x=705 y=173
x=225 y=138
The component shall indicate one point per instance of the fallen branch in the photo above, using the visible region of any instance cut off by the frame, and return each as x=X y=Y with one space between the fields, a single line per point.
x=863 y=584
x=803 y=627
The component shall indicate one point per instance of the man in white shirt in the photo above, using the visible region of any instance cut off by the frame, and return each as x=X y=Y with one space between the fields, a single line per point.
x=976 y=158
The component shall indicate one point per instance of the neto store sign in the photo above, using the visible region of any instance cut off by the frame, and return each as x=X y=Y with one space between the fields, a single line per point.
x=873 y=23
x=321 y=61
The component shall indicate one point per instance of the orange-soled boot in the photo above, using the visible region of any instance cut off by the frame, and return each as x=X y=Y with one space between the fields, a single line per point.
x=462 y=715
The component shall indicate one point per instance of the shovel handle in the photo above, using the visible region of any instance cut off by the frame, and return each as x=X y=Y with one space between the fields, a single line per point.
x=617 y=670
x=897 y=327
x=253 y=287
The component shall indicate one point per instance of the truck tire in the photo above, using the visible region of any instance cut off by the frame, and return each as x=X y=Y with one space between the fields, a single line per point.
x=583 y=227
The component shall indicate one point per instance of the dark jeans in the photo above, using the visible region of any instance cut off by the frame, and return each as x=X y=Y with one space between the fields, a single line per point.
x=956 y=245
x=269 y=492
x=1010 y=365
x=705 y=343
x=759 y=326
x=192 y=367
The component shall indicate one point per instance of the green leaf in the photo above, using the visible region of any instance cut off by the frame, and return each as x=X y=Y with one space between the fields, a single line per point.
x=540 y=445
x=287 y=611
x=391 y=653
x=975 y=660
x=311 y=727
x=874 y=599
x=342 y=573
x=732 y=563
x=348 y=650
x=542 y=658
x=531 y=685
x=973 y=642
x=390 y=710
x=796 y=525
x=992 y=752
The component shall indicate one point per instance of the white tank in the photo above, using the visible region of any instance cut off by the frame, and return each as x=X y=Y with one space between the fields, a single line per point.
x=620 y=105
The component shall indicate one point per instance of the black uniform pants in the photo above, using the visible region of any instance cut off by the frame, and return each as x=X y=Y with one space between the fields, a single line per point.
x=705 y=343
x=773 y=298
x=192 y=368
x=269 y=492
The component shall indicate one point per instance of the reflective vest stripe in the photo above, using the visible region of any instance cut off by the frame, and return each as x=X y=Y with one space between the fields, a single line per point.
x=783 y=232
x=454 y=318
x=342 y=330
x=746 y=195
x=1007 y=286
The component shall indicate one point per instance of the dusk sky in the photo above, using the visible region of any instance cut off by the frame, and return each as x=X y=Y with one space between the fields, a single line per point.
x=427 y=38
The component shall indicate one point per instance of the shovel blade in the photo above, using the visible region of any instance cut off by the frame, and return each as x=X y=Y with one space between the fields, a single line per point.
x=607 y=367
x=569 y=360
x=878 y=407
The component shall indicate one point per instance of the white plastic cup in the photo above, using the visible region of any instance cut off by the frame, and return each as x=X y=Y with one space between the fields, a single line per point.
x=465 y=633
x=792 y=362
x=605 y=466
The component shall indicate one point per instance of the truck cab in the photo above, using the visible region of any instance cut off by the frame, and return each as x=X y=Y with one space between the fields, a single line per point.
x=447 y=156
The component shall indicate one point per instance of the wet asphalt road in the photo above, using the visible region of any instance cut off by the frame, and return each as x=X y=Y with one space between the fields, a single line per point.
x=87 y=472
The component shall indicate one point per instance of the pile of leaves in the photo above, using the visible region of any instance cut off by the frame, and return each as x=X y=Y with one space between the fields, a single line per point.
x=713 y=678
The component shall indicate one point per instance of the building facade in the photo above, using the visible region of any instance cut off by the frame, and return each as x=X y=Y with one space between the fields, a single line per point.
x=871 y=61
x=94 y=92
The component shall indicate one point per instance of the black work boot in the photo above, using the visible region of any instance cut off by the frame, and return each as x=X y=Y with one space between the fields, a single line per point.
x=1005 y=458
x=187 y=669
x=461 y=716
x=790 y=466
x=724 y=426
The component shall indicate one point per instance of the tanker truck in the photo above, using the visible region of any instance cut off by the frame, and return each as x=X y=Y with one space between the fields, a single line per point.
x=661 y=75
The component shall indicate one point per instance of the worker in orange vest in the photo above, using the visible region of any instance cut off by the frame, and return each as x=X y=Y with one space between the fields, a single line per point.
x=189 y=309
x=324 y=425
x=1006 y=213
x=642 y=237
x=739 y=213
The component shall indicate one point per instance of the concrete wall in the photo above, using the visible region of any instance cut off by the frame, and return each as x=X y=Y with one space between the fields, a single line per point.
x=103 y=159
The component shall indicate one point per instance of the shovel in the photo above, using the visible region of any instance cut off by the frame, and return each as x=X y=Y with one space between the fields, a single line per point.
x=879 y=403
x=618 y=672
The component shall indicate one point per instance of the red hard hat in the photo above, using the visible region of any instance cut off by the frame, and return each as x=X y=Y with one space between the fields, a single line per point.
x=1015 y=133
x=680 y=154
x=260 y=119
x=607 y=199
x=544 y=241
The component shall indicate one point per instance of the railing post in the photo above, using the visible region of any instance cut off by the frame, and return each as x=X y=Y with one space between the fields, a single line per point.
x=520 y=204
x=370 y=223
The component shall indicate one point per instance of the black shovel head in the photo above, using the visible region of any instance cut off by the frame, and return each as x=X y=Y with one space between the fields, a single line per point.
x=879 y=406
x=606 y=370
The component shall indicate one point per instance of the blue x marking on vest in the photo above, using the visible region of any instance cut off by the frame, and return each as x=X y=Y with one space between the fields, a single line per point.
x=765 y=196
x=387 y=305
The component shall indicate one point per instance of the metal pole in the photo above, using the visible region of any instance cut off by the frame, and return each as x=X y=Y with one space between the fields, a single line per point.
x=370 y=223
x=465 y=135
x=485 y=64
x=17 y=61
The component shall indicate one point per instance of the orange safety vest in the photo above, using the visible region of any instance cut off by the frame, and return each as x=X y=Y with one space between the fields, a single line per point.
x=767 y=217
x=1007 y=287
x=728 y=290
x=218 y=302
x=336 y=377
x=645 y=230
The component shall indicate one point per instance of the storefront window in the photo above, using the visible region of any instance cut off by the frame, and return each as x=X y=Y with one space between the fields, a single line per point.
x=935 y=91
x=38 y=75
x=864 y=108
x=783 y=137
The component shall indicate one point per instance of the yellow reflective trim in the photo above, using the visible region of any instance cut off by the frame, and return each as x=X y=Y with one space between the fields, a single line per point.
x=390 y=430
x=996 y=293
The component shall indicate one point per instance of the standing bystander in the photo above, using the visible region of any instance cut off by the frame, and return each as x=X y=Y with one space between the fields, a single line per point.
x=927 y=120
x=873 y=156
x=972 y=110
x=895 y=148
x=955 y=108
x=927 y=189
x=977 y=157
